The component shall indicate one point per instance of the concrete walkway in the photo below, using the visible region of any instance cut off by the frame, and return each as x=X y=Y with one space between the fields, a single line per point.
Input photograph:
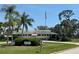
x=68 y=51
x=2 y=42
x=5 y=42
x=63 y=42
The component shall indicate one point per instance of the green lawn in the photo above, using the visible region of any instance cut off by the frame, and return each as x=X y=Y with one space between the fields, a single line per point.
x=47 y=48
x=75 y=40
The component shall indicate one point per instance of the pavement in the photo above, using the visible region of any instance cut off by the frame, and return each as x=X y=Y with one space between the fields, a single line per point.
x=5 y=42
x=63 y=42
x=68 y=51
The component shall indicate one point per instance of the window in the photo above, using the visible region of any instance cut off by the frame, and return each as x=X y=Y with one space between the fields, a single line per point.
x=47 y=34
x=25 y=35
x=29 y=34
x=19 y=34
x=43 y=34
x=39 y=34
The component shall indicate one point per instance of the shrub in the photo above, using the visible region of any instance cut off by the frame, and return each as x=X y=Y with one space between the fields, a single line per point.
x=15 y=36
x=65 y=38
x=2 y=37
x=34 y=41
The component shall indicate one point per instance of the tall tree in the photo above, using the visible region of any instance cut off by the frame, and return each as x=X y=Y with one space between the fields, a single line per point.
x=66 y=14
x=10 y=15
x=42 y=27
x=65 y=21
x=25 y=21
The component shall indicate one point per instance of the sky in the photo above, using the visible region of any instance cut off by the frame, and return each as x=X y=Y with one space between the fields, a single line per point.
x=37 y=12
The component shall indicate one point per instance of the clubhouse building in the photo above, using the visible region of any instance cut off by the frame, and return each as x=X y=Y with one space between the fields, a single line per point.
x=44 y=34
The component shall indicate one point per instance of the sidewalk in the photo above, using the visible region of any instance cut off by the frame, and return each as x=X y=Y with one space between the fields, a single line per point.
x=69 y=51
x=4 y=42
x=63 y=42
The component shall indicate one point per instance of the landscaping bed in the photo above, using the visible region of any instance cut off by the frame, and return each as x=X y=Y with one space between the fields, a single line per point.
x=34 y=41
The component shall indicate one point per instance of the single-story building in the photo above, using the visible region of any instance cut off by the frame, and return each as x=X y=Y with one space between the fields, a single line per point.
x=44 y=34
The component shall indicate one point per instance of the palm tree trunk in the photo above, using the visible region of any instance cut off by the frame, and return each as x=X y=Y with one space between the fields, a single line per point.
x=22 y=30
x=8 y=34
x=4 y=31
x=7 y=40
x=12 y=33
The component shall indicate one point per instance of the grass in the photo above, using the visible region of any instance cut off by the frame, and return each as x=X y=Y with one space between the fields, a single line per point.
x=47 y=48
x=2 y=40
x=75 y=40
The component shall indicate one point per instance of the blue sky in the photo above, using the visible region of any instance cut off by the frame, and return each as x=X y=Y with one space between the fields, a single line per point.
x=37 y=12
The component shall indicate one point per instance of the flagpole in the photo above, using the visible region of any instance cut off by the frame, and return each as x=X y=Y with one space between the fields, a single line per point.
x=45 y=18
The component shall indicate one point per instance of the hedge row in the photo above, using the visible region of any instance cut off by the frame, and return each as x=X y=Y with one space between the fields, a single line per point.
x=34 y=41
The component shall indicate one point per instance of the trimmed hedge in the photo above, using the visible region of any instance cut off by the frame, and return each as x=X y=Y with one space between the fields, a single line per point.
x=34 y=41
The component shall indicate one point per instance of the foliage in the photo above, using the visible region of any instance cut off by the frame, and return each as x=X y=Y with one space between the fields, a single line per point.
x=34 y=41
x=15 y=36
x=26 y=21
x=42 y=27
x=67 y=26
x=10 y=15
x=14 y=20
x=65 y=14
x=65 y=38
x=1 y=36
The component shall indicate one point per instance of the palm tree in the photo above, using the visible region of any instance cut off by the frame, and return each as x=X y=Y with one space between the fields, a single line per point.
x=25 y=21
x=42 y=27
x=10 y=15
x=66 y=14
x=66 y=23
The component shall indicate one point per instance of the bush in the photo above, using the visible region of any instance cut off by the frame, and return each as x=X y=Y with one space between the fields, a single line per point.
x=34 y=41
x=60 y=38
x=65 y=38
x=15 y=36
x=2 y=37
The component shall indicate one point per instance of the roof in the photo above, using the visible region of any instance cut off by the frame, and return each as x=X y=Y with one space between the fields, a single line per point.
x=36 y=32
